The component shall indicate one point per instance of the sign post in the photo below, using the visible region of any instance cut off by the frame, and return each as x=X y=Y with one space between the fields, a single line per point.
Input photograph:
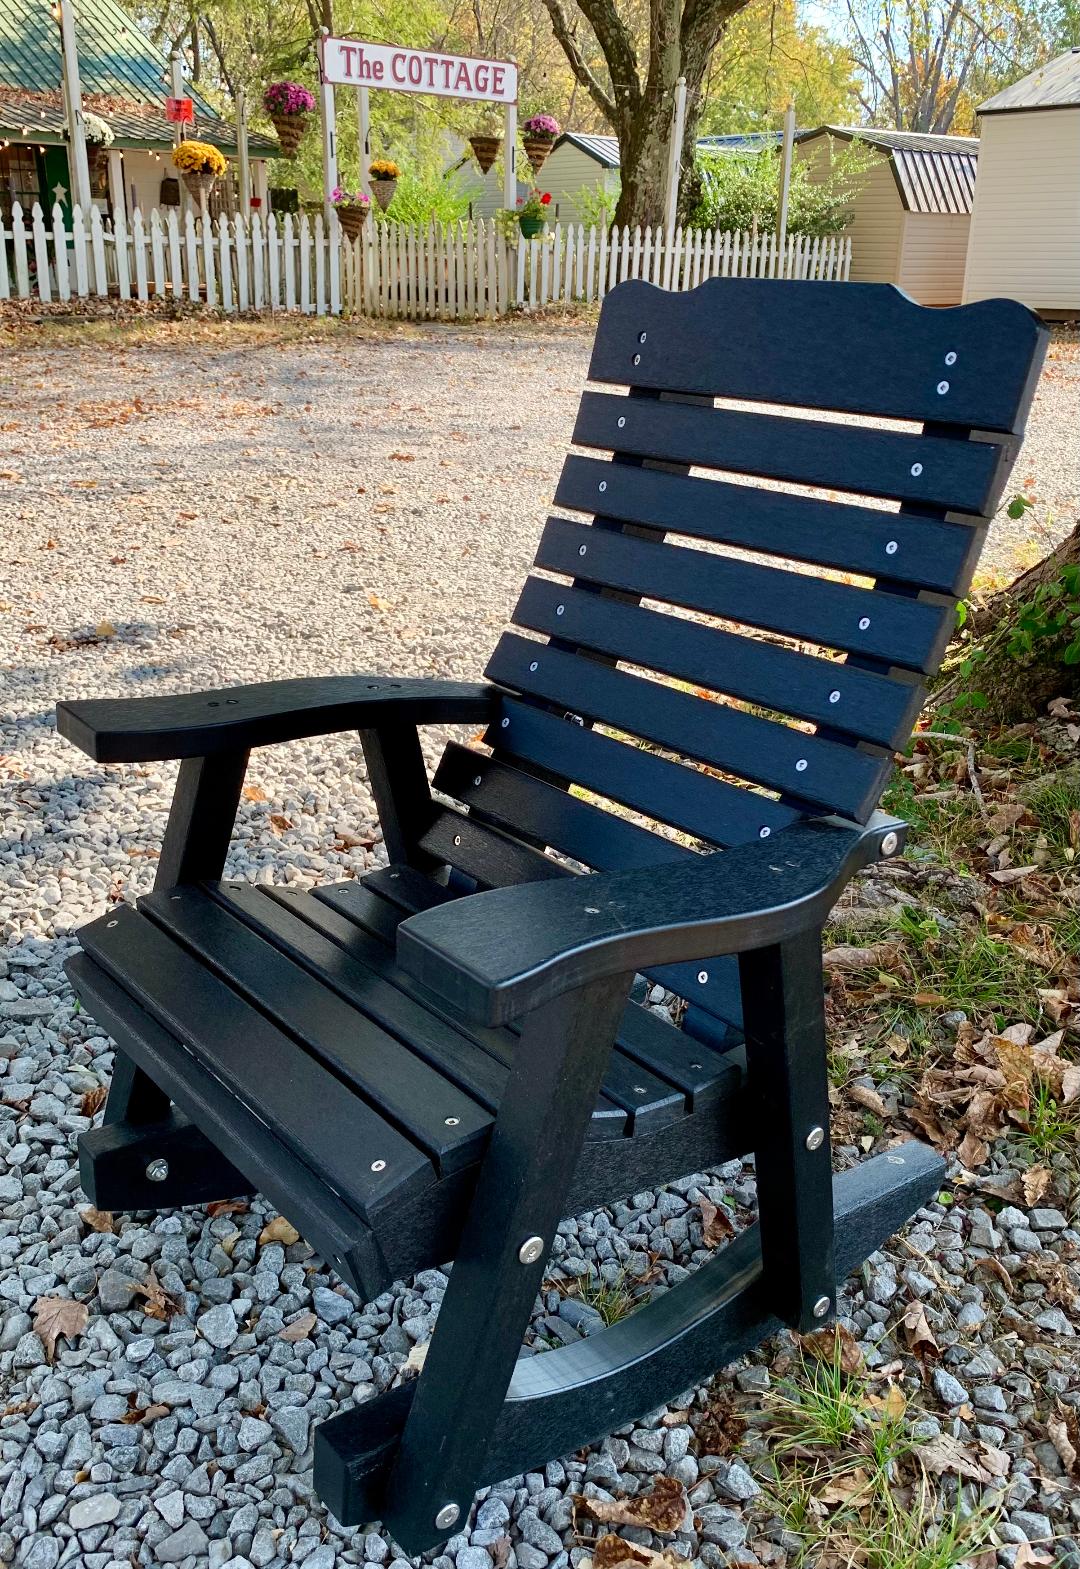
x=243 y=160
x=329 y=122
x=786 y=146
x=176 y=82
x=363 y=116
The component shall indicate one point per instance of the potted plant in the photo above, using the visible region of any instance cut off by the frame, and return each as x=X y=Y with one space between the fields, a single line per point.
x=289 y=106
x=538 y=135
x=99 y=138
x=199 y=164
x=352 y=208
x=532 y=213
x=383 y=173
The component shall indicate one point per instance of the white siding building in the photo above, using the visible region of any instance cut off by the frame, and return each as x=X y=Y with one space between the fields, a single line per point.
x=909 y=223
x=1025 y=229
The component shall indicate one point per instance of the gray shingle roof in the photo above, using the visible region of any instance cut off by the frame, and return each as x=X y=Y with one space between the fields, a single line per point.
x=1055 y=85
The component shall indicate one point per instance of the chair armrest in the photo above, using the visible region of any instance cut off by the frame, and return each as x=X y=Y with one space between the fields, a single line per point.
x=197 y=724
x=499 y=954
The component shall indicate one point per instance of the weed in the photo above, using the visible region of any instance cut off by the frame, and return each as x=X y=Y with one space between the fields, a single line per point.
x=1051 y=1128
x=612 y=1302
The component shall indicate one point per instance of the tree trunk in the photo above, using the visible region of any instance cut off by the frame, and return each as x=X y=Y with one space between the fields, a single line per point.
x=1018 y=687
x=644 y=146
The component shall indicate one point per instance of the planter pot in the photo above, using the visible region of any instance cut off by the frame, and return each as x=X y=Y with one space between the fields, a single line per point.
x=485 y=150
x=290 y=130
x=537 y=149
x=199 y=184
x=383 y=191
x=531 y=227
x=351 y=220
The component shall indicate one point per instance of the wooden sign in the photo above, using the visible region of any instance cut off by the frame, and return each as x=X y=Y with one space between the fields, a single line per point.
x=349 y=62
x=179 y=111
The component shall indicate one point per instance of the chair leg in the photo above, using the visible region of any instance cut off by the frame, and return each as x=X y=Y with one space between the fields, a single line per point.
x=518 y=1202
x=784 y=1024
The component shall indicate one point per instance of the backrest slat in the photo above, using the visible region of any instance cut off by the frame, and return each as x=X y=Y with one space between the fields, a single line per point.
x=897 y=631
x=932 y=471
x=921 y=550
x=858 y=702
x=861 y=348
x=828 y=774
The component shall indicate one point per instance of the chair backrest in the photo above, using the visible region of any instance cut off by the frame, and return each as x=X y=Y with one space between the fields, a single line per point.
x=822 y=570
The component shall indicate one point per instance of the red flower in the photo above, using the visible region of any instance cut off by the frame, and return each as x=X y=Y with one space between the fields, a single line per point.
x=545 y=198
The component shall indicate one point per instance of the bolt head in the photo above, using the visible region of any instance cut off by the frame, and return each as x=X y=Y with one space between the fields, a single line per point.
x=890 y=844
x=815 y=1138
x=447 y=1516
x=530 y=1251
x=158 y=1170
x=822 y=1306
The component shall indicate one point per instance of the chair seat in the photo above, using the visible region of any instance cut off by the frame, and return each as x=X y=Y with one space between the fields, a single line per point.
x=280 y=1023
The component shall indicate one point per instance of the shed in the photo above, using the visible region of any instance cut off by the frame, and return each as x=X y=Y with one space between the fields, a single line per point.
x=124 y=81
x=910 y=222
x=1025 y=229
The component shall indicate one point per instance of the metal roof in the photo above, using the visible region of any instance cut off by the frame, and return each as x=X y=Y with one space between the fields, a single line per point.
x=1055 y=85
x=605 y=149
x=124 y=78
x=933 y=174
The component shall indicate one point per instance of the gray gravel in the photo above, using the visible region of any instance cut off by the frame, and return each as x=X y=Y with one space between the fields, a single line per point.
x=254 y=522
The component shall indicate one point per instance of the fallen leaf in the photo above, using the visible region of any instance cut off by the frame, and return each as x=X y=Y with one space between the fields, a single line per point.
x=97 y=1219
x=947 y=1455
x=917 y=1331
x=227 y=1207
x=1062 y=1431
x=92 y=1101
x=836 y=1345
x=1070 y=1085
x=403 y=457
x=159 y=1304
x=105 y=629
x=844 y=1486
x=1035 y=1181
x=299 y=1329
x=279 y=1230
x=279 y=823
x=716 y=1224
x=863 y=1095
x=58 y=1316
x=613 y=1552
x=254 y=792
x=878 y=956
x=663 y=1508
x=418 y=1356
x=148 y=1414
x=973 y=1151
x=378 y=604
x=1013 y=874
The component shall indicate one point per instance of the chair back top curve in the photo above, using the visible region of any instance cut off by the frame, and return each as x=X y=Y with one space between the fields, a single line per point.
x=779 y=493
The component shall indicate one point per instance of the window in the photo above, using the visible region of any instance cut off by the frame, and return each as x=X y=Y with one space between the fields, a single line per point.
x=18 y=180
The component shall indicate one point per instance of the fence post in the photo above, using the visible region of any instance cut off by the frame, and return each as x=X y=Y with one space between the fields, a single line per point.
x=41 y=253
x=5 y=285
x=97 y=245
x=191 y=252
x=120 y=250
x=176 y=270
x=138 y=240
x=226 y=264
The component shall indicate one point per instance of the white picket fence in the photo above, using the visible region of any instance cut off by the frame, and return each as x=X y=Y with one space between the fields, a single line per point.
x=446 y=271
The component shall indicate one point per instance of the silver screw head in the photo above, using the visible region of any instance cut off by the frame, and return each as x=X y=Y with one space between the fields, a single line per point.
x=864 y=622
x=916 y=470
x=530 y=1251
x=703 y=977
x=622 y=421
x=822 y=1306
x=582 y=549
x=534 y=664
x=637 y=359
x=942 y=387
x=815 y=1138
x=504 y=724
x=890 y=844
x=378 y=1165
x=834 y=696
x=800 y=766
x=763 y=833
x=891 y=548
x=642 y=336
x=452 y=1122
x=158 y=1170
x=603 y=485
x=447 y=1516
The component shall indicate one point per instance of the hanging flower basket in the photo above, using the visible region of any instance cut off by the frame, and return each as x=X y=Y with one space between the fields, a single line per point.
x=199 y=164
x=538 y=137
x=99 y=138
x=289 y=106
x=352 y=207
x=485 y=150
x=383 y=174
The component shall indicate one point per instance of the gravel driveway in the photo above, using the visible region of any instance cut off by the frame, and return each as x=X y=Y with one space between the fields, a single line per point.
x=193 y=513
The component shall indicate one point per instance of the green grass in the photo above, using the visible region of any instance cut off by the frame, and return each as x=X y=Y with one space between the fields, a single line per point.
x=942 y=829
x=612 y=1302
x=1051 y=1129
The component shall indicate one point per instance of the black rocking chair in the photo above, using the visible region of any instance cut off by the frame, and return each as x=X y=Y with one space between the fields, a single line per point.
x=440 y=1060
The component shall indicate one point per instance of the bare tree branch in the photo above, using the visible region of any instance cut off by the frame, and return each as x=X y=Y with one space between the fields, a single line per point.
x=561 y=28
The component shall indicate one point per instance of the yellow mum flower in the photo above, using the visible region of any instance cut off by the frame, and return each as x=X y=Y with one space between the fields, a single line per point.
x=195 y=157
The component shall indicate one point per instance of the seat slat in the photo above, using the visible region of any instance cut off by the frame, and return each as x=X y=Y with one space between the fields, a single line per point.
x=543 y=811
x=492 y=858
x=934 y=471
x=710 y=809
x=925 y=551
x=827 y=773
x=898 y=631
x=869 y=706
x=457 y=1057
x=831 y=346
x=348 y=914
x=320 y=1118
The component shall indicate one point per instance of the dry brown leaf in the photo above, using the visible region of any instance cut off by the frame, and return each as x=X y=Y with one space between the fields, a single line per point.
x=845 y=957
x=58 y=1316
x=833 y=1345
x=1035 y=1182
x=844 y=1486
x=104 y=629
x=994 y=1266
x=1070 y=1085
x=917 y=1332
x=716 y=1224
x=227 y=1207
x=97 y=1220
x=945 y=1455
x=973 y=1151
x=279 y=1230
x=91 y=1101
x=1063 y=1431
x=254 y=792
x=300 y=1328
x=663 y=1508
x=159 y=1304
x=279 y=822
x=613 y=1552
x=863 y=1095
x=149 y=1414
x=1013 y=874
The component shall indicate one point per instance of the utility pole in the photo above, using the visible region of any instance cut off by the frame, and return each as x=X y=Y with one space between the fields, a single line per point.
x=76 y=127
